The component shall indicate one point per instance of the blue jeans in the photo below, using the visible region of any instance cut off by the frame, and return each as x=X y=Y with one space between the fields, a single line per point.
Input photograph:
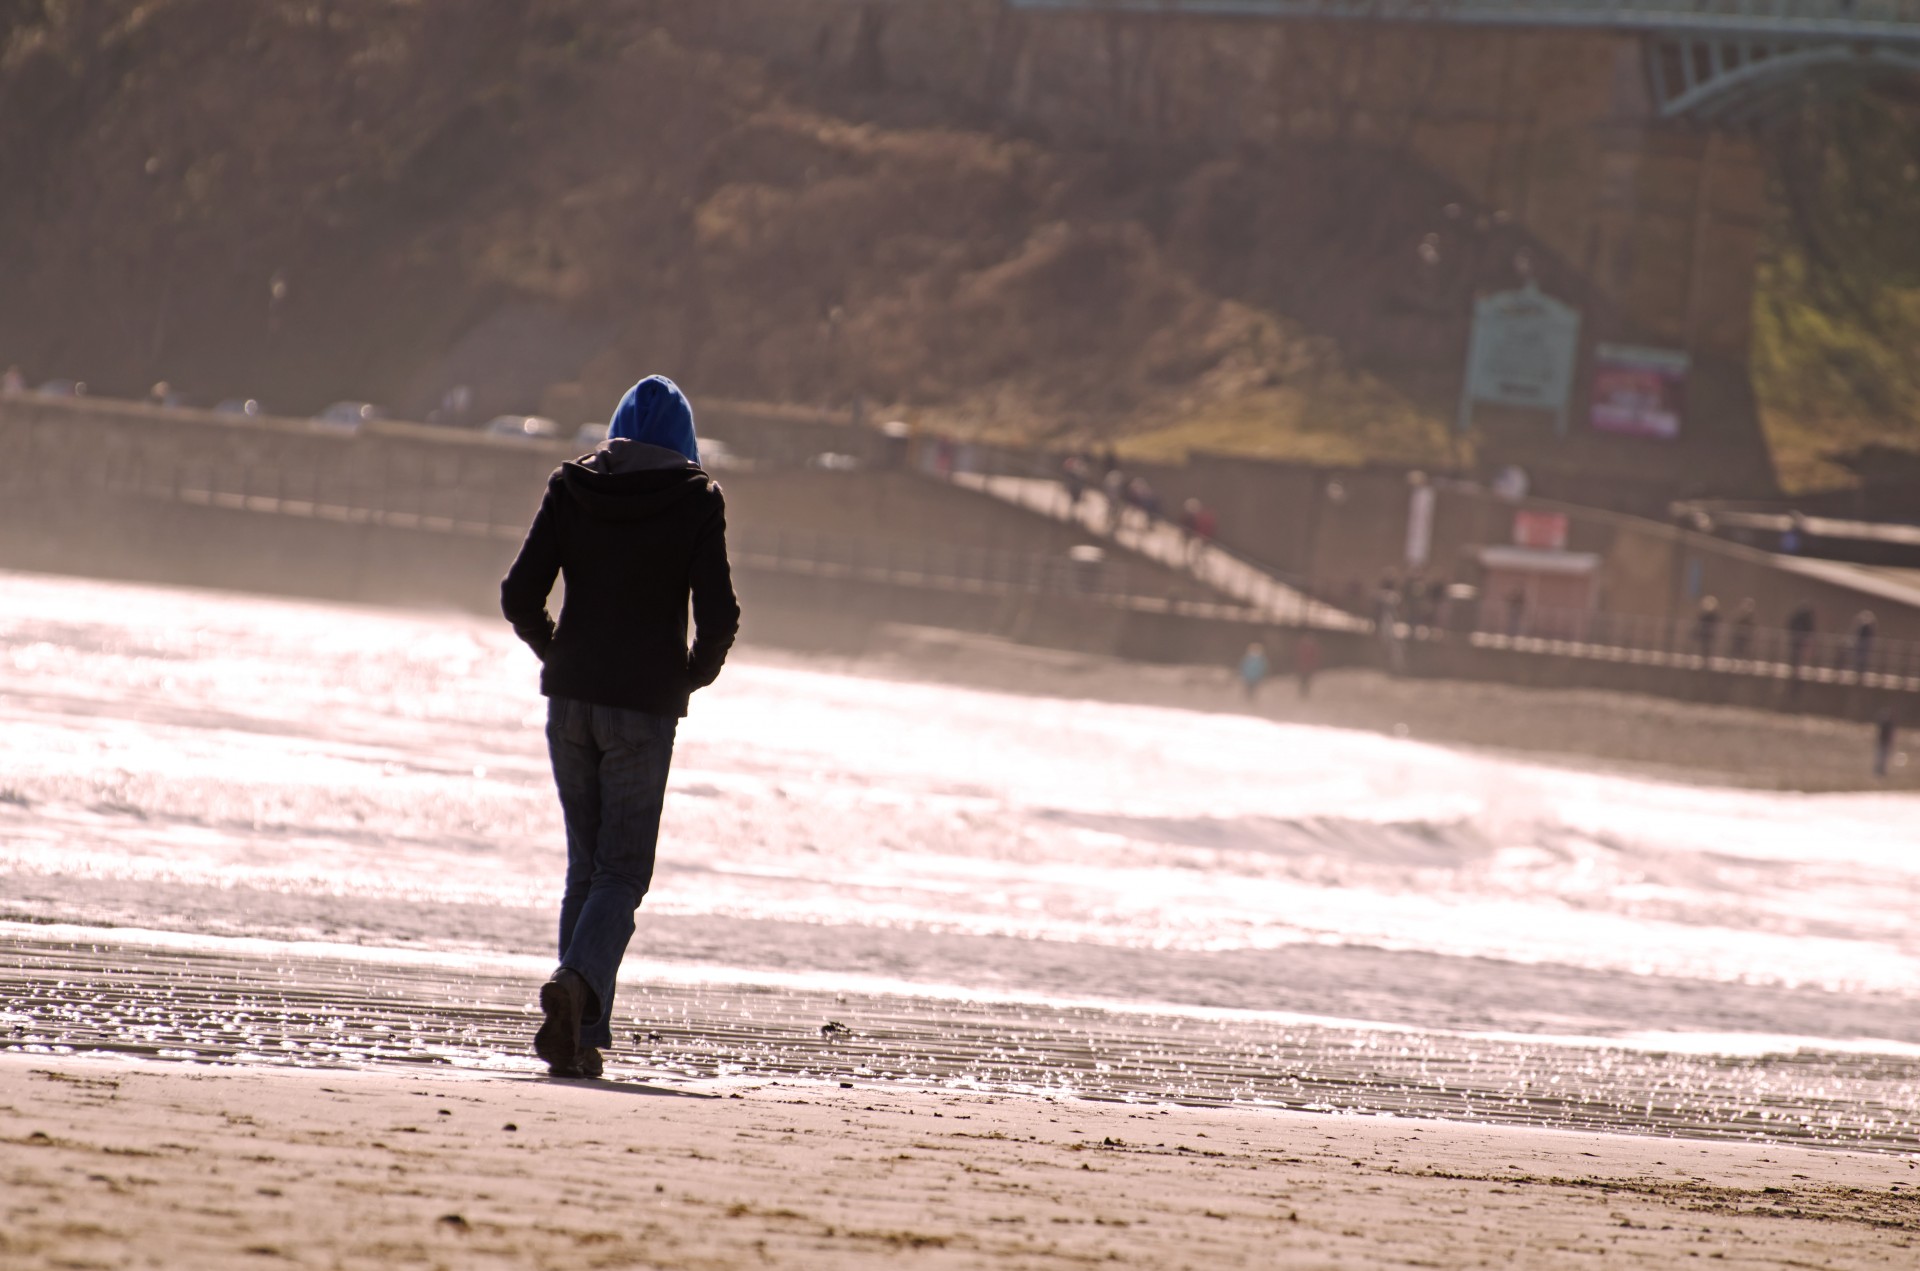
x=611 y=769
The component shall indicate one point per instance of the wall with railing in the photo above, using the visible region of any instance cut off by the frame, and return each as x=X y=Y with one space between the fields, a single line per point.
x=409 y=515
x=1723 y=647
x=1417 y=622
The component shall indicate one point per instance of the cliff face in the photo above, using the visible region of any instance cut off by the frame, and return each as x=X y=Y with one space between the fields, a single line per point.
x=544 y=198
x=369 y=199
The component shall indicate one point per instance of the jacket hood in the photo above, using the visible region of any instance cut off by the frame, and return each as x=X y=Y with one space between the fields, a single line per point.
x=617 y=455
x=631 y=481
x=656 y=412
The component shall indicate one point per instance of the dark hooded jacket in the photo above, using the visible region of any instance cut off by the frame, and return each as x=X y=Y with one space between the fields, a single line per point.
x=635 y=530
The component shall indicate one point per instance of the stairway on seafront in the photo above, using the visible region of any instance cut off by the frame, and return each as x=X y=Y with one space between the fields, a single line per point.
x=1166 y=545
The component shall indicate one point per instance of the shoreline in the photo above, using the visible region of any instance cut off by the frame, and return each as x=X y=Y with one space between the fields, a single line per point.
x=122 y=1163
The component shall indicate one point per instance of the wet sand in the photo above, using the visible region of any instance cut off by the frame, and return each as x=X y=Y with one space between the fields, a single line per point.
x=117 y=1163
x=1591 y=729
x=261 y=1003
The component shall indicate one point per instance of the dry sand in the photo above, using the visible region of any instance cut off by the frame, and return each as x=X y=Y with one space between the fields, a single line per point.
x=114 y=1163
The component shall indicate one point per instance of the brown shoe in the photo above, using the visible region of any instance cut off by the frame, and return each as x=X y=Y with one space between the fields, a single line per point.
x=562 y=1000
x=589 y=1063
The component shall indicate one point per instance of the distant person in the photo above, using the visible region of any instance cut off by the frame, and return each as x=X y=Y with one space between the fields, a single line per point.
x=455 y=404
x=1306 y=662
x=1141 y=494
x=1073 y=472
x=1420 y=601
x=1864 y=628
x=1253 y=670
x=1884 y=732
x=1800 y=626
x=1114 y=486
x=1206 y=524
x=1199 y=523
x=13 y=383
x=1706 y=627
x=1516 y=611
x=1740 y=642
x=637 y=531
x=1387 y=601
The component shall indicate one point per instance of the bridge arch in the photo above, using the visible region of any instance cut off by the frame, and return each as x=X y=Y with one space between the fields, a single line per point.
x=1710 y=79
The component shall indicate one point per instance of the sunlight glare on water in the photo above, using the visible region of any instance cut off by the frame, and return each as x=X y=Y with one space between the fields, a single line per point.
x=306 y=761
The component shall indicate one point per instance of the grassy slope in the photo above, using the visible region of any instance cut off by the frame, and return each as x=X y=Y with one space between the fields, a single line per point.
x=1832 y=382
x=1836 y=353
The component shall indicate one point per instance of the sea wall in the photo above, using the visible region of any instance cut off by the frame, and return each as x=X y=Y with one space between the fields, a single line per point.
x=403 y=514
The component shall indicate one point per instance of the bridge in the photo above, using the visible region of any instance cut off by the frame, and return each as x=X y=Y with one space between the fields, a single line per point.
x=1705 y=58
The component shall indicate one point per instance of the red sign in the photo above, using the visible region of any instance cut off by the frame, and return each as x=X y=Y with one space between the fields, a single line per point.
x=1540 y=529
x=1640 y=392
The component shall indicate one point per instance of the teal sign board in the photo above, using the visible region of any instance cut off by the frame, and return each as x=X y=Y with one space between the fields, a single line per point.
x=1522 y=353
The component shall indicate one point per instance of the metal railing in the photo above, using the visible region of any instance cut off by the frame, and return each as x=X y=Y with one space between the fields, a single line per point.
x=1896 y=21
x=1727 y=646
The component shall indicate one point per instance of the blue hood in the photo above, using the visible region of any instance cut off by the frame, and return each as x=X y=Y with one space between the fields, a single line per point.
x=656 y=413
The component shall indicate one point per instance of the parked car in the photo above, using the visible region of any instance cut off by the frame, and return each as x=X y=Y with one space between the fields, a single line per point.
x=239 y=406
x=349 y=414
x=63 y=388
x=589 y=435
x=525 y=427
x=717 y=456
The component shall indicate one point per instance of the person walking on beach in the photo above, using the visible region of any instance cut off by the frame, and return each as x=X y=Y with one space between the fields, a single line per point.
x=1306 y=661
x=1884 y=732
x=1253 y=670
x=636 y=529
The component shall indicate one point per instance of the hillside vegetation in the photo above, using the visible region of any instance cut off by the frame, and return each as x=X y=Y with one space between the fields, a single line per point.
x=1836 y=353
x=377 y=198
